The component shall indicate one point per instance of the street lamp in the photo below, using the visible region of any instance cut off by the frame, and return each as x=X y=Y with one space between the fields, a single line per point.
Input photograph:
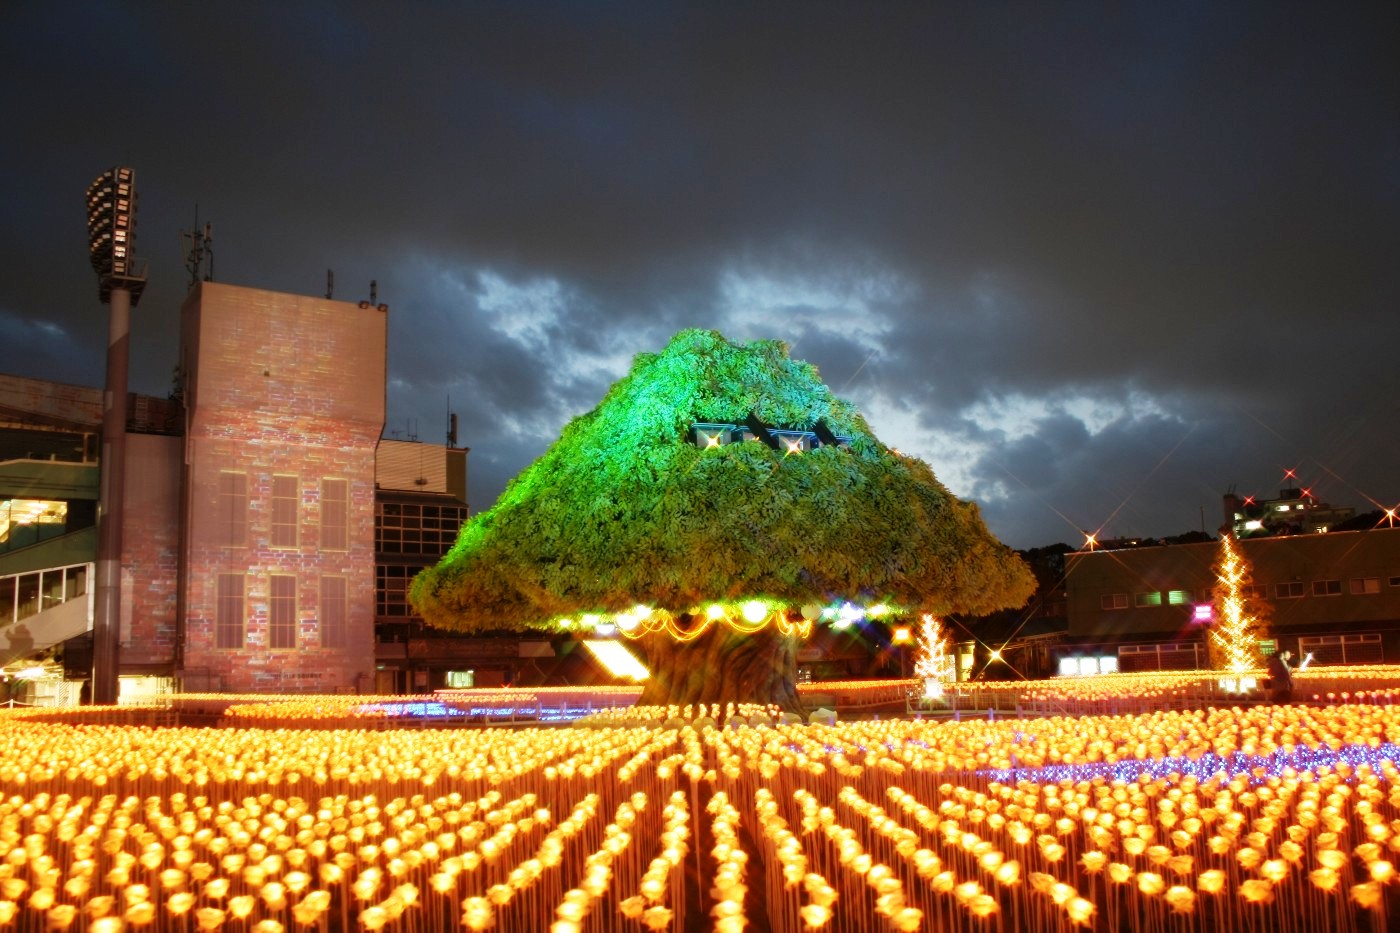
x=902 y=636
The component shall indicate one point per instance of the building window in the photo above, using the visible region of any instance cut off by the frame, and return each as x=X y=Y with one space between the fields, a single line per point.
x=1114 y=601
x=1365 y=586
x=1343 y=649
x=410 y=528
x=1327 y=587
x=335 y=514
x=1395 y=581
x=1178 y=597
x=1291 y=590
x=391 y=590
x=284 y=511
x=282 y=612
x=1256 y=591
x=233 y=509
x=228 y=611
x=1148 y=599
x=332 y=612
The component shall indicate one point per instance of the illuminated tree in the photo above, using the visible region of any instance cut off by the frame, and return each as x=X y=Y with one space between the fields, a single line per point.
x=1234 y=639
x=935 y=663
x=716 y=504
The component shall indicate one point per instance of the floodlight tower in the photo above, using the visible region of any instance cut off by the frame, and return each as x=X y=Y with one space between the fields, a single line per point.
x=111 y=211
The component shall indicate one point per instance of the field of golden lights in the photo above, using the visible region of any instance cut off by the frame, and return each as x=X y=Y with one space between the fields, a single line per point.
x=1223 y=817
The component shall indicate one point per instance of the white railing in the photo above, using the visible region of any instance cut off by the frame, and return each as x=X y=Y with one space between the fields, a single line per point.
x=23 y=595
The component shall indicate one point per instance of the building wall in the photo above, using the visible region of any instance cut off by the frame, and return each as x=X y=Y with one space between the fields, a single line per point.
x=150 y=553
x=38 y=401
x=292 y=386
x=421 y=504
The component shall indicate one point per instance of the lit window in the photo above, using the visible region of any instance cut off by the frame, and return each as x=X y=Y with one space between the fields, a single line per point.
x=1365 y=586
x=1149 y=599
x=1108 y=665
x=1088 y=667
x=1178 y=597
x=1069 y=667
x=1204 y=613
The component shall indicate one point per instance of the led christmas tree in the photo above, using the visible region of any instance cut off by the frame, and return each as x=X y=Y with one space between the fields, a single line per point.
x=1234 y=641
x=934 y=665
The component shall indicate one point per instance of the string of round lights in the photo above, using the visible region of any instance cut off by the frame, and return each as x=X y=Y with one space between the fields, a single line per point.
x=746 y=618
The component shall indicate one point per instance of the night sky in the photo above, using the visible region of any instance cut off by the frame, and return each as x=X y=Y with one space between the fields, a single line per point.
x=1096 y=264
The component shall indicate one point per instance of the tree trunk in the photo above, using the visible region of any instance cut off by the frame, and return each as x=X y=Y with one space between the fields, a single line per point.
x=721 y=666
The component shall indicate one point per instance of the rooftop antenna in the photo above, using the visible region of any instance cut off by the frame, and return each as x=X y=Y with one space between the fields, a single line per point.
x=451 y=424
x=412 y=429
x=330 y=283
x=374 y=291
x=198 y=246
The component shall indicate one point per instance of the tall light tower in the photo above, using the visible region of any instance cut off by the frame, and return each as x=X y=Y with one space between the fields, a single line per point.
x=111 y=210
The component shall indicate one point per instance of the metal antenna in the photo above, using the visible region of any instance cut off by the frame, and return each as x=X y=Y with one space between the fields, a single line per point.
x=330 y=283
x=374 y=291
x=198 y=246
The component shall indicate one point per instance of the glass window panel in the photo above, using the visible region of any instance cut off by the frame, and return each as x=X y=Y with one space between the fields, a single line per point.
x=228 y=612
x=335 y=514
x=282 y=612
x=284 y=511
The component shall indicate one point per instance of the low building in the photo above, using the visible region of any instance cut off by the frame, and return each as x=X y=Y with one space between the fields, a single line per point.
x=1335 y=596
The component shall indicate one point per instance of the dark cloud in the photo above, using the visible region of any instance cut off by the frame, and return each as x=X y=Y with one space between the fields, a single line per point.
x=1095 y=265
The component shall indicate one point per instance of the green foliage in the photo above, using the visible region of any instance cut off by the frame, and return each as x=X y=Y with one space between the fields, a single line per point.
x=623 y=509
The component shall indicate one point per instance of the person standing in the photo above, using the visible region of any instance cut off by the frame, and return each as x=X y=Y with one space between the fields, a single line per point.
x=1280 y=676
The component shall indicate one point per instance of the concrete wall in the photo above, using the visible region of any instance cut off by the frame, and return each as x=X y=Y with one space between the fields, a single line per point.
x=150 y=553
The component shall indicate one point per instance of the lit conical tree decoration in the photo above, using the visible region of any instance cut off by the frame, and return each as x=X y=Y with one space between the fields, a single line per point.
x=934 y=664
x=1234 y=640
x=702 y=553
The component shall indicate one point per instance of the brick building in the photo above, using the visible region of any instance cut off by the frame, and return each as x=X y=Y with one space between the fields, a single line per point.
x=253 y=557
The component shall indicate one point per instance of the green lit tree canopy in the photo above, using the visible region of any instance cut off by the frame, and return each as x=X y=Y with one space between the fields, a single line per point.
x=624 y=508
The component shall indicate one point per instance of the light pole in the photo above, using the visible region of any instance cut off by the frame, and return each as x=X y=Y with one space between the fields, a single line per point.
x=111 y=211
x=901 y=637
